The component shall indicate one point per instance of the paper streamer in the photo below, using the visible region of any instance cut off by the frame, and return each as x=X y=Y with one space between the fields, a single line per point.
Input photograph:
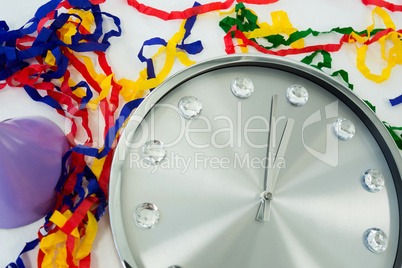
x=193 y=11
x=396 y=101
x=245 y=27
x=393 y=130
x=57 y=62
x=257 y=2
x=394 y=53
x=19 y=263
x=97 y=2
x=369 y=104
x=185 y=14
x=385 y=4
x=230 y=48
x=327 y=63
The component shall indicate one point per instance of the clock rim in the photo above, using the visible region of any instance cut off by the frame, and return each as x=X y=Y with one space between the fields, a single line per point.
x=358 y=106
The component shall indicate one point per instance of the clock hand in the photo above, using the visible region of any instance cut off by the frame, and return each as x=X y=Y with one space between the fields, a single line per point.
x=262 y=208
x=263 y=213
x=280 y=154
x=270 y=134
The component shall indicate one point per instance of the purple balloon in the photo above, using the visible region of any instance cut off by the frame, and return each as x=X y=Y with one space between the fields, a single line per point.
x=31 y=151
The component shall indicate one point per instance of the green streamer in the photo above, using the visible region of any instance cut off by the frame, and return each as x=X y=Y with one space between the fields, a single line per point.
x=327 y=63
x=345 y=77
x=246 y=21
x=397 y=138
x=372 y=107
x=327 y=60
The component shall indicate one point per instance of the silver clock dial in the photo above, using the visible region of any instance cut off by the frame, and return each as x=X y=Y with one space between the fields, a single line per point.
x=208 y=187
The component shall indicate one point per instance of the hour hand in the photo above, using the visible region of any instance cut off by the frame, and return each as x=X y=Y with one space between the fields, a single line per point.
x=263 y=213
x=280 y=155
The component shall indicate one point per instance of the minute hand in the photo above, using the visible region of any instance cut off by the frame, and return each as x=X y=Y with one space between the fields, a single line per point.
x=263 y=213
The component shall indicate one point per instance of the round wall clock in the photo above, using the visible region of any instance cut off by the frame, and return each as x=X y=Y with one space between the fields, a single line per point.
x=255 y=161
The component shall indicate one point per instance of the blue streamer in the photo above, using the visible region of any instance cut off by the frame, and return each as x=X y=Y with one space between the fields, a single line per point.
x=93 y=185
x=19 y=263
x=396 y=101
x=46 y=99
x=192 y=48
x=88 y=96
x=109 y=139
x=12 y=60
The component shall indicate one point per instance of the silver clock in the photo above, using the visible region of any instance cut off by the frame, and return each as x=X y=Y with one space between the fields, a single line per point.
x=255 y=161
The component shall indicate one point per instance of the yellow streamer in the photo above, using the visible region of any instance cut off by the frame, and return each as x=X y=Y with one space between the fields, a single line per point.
x=221 y=13
x=49 y=243
x=50 y=59
x=243 y=48
x=56 y=242
x=90 y=234
x=97 y=166
x=131 y=89
x=69 y=29
x=79 y=92
x=61 y=257
x=86 y=16
x=394 y=53
x=280 y=25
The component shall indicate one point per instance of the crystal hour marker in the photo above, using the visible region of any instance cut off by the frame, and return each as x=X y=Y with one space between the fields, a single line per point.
x=297 y=95
x=375 y=240
x=242 y=87
x=153 y=152
x=190 y=107
x=373 y=180
x=344 y=129
x=146 y=215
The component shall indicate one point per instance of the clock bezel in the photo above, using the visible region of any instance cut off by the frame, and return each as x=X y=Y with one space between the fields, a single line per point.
x=365 y=114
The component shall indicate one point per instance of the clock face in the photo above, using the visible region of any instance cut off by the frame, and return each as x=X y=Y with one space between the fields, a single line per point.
x=255 y=161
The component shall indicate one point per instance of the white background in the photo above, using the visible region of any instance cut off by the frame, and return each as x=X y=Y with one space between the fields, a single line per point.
x=122 y=56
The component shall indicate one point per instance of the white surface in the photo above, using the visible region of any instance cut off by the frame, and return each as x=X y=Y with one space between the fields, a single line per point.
x=122 y=56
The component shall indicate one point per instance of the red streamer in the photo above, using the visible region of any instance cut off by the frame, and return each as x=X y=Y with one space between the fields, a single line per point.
x=229 y=46
x=257 y=2
x=246 y=42
x=105 y=175
x=193 y=11
x=30 y=75
x=97 y=2
x=185 y=14
x=79 y=214
x=382 y=3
